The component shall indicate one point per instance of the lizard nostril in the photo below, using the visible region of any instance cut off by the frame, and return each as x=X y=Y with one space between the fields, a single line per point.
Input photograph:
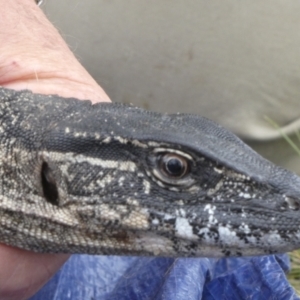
x=49 y=184
x=292 y=203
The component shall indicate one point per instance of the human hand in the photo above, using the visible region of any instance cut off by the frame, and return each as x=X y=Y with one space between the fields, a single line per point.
x=33 y=56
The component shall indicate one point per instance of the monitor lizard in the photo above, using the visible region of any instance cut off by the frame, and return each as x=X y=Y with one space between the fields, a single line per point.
x=116 y=179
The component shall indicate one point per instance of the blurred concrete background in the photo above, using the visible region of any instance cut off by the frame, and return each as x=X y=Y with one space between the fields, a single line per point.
x=229 y=60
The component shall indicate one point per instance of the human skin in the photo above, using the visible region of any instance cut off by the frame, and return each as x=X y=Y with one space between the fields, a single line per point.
x=34 y=56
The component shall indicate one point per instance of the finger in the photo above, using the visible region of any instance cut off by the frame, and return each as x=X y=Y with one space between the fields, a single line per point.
x=34 y=56
x=22 y=272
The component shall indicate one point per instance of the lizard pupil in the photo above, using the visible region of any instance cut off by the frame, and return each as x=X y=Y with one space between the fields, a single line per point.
x=174 y=165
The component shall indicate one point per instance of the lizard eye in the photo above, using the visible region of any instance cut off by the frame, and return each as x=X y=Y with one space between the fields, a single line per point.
x=172 y=168
x=174 y=165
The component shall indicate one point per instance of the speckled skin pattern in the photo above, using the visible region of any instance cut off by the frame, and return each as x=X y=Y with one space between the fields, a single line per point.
x=116 y=179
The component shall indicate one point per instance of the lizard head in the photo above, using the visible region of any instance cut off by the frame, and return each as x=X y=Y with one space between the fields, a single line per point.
x=115 y=179
x=171 y=185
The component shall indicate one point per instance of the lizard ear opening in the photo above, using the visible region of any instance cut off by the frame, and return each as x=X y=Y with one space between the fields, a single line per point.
x=49 y=184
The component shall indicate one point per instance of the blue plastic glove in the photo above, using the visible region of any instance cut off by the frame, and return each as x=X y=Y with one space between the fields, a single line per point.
x=129 y=278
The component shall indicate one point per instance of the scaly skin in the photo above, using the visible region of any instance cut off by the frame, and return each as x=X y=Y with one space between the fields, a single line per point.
x=116 y=179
